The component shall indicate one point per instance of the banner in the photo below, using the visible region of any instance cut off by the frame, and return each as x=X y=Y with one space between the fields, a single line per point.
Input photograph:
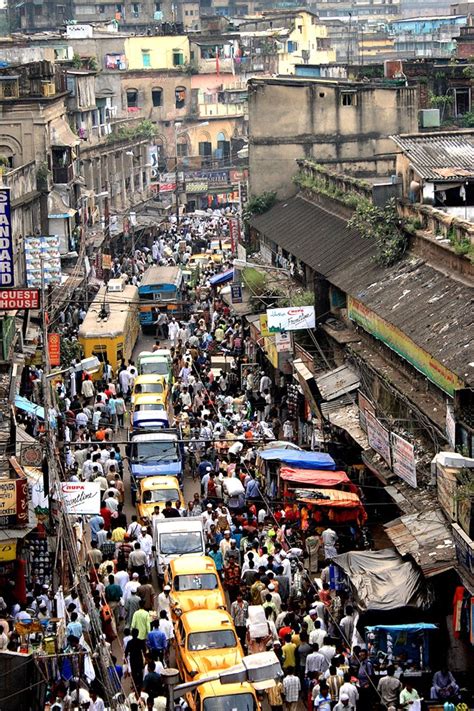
x=378 y=437
x=264 y=325
x=153 y=160
x=81 y=497
x=293 y=318
x=283 y=342
x=403 y=459
x=364 y=406
x=7 y=271
x=54 y=348
x=403 y=345
x=15 y=299
x=42 y=260
x=7 y=497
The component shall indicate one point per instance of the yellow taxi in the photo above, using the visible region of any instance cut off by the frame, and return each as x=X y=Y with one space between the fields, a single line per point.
x=205 y=642
x=203 y=259
x=195 y=585
x=156 y=491
x=152 y=384
x=214 y=696
x=149 y=411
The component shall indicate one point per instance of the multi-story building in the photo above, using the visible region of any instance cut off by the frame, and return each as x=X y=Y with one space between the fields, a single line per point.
x=426 y=36
x=331 y=122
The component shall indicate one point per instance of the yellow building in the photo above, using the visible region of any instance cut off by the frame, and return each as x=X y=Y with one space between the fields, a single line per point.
x=157 y=52
x=307 y=41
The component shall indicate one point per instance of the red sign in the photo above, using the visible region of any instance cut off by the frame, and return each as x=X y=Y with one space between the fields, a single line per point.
x=14 y=299
x=54 y=347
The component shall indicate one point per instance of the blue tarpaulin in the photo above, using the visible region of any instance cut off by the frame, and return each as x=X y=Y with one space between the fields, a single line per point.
x=300 y=459
x=221 y=278
x=414 y=627
x=24 y=404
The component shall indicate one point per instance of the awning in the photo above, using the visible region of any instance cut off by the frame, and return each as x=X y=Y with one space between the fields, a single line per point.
x=57 y=208
x=329 y=497
x=337 y=382
x=221 y=278
x=61 y=133
x=8 y=534
x=280 y=444
x=308 y=385
x=314 y=476
x=347 y=418
x=301 y=459
x=22 y=403
x=426 y=537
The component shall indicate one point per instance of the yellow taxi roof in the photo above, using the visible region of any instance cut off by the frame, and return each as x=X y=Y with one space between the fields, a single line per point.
x=215 y=688
x=148 y=399
x=150 y=378
x=159 y=482
x=206 y=620
x=186 y=566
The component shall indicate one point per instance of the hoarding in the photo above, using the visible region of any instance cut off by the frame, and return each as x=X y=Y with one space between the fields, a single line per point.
x=378 y=437
x=283 y=342
x=81 y=497
x=403 y=459
x=404 y=346
x=293 y=318
x=42 y=257
x=7 y=270
x=15 y=299
x=54 y=348
x=364 y=406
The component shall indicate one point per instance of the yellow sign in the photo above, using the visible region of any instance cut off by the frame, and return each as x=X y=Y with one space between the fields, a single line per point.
x=7 y=497
x=404 y=346
x=7 y=551
x=264 y=325
x=271 y=350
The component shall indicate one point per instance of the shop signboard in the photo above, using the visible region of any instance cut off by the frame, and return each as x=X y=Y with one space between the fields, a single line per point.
x=236 y=293
x=395 y=339
x=293 y=318
x=54 y=348
x=7 y=497
x=42 y=260
x=106 y=261
x=378 y=437
x=16 y=299
x=403 y=459
x=283 y=342
x=364 y=406
x=7 y=551
x=7 y=269
x=264 y=326
x=197 y=186
x=153 y=160
x=464 y=548
x=81 y=497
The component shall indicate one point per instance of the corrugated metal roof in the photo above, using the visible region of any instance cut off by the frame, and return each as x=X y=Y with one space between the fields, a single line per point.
x=441 y=156
x=337 y=382
x=314 y=235
x=434 y=310
x=426 y=537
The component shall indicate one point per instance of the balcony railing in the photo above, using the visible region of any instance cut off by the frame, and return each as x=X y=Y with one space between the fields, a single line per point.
x=63 y=175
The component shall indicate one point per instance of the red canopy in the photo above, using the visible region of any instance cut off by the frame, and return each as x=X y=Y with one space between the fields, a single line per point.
x=317 y=477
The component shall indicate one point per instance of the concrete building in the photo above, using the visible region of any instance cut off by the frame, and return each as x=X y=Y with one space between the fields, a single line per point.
x=344 y=123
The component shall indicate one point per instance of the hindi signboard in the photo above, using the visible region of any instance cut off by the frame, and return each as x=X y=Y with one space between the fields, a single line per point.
x=403 y=459
x=81 y=497
x=7 y=270
x=378 y=437
x=293 y=318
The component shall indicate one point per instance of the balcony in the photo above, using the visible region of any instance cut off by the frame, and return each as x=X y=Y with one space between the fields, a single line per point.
x=220 y=110
x=63 y=175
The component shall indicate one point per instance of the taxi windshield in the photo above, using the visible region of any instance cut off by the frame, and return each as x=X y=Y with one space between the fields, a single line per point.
x=154 y=368
x=149 y=406
x=236 y=702
x=152 y=495
x=217 y=639
x=149 y=388
x=200 y=581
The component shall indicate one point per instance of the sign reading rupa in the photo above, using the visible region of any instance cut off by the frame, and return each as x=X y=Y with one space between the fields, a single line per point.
x=293 y=318
x=17 y=299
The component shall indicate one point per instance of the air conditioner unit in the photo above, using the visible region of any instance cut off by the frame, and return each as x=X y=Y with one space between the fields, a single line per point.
x=48 y=89
x=429 y=118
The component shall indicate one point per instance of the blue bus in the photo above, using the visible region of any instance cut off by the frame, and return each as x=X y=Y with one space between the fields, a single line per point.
x=160 y=290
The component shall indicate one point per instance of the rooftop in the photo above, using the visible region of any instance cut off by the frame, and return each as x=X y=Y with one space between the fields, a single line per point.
x=444 y=155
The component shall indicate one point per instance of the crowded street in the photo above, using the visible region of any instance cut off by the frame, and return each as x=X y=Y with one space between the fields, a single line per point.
x=203 y=514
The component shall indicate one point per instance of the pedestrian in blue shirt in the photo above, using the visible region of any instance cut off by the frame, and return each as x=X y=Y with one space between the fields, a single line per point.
x=216 y=556
x=156 y=640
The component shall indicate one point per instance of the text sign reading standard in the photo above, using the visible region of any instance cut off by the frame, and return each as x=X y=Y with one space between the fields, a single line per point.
x=7 y=273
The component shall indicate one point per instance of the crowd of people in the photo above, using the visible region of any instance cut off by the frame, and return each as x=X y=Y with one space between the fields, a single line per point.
x=259 y=547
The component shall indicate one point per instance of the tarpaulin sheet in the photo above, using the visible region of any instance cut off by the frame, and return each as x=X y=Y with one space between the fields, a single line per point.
x=301 y=459
x=413 y=627
x=328 y=497
x=383 y=580
x=32 y=408
x=317 y=477
x=221 y=278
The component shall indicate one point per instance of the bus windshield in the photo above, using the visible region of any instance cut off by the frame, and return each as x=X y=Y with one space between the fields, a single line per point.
x=156 y=367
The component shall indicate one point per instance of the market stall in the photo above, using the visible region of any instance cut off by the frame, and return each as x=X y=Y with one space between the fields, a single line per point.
x=331 y=506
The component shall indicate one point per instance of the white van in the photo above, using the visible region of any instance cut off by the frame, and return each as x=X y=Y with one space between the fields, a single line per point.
x=175 y=537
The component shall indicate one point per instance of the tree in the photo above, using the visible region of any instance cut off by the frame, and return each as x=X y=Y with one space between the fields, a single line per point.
x=258 y=204
x=383 y=226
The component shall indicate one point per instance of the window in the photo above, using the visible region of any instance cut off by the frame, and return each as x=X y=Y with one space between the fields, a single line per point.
x=146 y=58
x=132 y=99
x=292 y=46
x=180 y=97
x=348 y=98
x=38 y=10
x=178 y=58
x=205 y=151
x=462 y=97
x=157 y=97
x=191 y=13
x=100 y=9
x=182 y=149
x=186 y=13
x=157 y=6
x=135 y=9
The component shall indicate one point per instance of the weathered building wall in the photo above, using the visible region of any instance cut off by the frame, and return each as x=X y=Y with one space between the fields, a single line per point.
x=291 y=119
